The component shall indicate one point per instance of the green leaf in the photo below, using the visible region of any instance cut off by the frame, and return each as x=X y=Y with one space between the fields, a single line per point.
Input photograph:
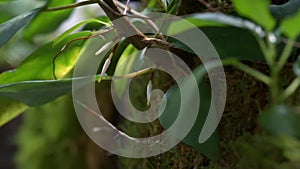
x=289 y=26
x=10 y=109
x=210 y=148
x=68 y=32
x=225 y=34
x=35 y=93
x=124 y=66
x=36 y=67
x=38 y=92
x=218 y=19
x=231 y=42
x=39 y=66
x=281 y=120
x=198 y=20
x=256 y=10
x=282 y=11
x=46 y=22
x=9 y=28
x=74 y=36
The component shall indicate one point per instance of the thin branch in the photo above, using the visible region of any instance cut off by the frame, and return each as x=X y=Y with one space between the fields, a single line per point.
x=124 y=26
x=69 y=43
x=208 y=6
x=290 y=89
x=108 y=61
x=249 y=70
x=70 y=6
x=130 y=75
x=286 y=41
x=140 y=40
x=137 y=15
x=285 y=54
x=62 y=50
x=127 y=7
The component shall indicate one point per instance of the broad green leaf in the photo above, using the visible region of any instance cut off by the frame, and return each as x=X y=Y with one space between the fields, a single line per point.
x=290 y=27
x=10 y=109
x=36 y=67
x=256 y=10
x=212 y=20
x=38 y=92
x=225 y=34
x=35 y=93
x=125 y=65
x=218 y=19
x=9 y=28
x=39 y=66
x=281 y=120
x=282 y=11
x=210 y=148
x=232 y=42
x=65 y=34
x=198 y=20
x=74 y=36
x=46 y=22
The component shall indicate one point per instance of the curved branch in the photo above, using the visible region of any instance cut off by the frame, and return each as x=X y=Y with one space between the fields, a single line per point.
x=124 y=26
x=75 y=5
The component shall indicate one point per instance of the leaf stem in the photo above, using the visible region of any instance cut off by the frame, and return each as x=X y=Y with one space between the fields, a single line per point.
x=285 y=54
x=130 y=75
x=290 y=89
x=70 y=6
x=263 y=47
x=247 y=69
x=271 y=52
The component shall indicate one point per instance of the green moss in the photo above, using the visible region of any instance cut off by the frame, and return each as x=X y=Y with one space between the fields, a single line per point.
x=242 y=143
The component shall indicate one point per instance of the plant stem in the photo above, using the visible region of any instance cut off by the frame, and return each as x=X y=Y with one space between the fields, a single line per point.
x=271 y=52
x=247 y=69
x=70 y=6
x=276 y=68
x=274 y=86
x=290 y=89
x=263 y=47
x=285 y=54
x=130 y=75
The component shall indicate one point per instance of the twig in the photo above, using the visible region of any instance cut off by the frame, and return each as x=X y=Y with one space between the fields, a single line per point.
x=124 y=26
x=137 y=15
x=286 y=41
x=208 y=6
x=83 y=3
x=127 y=7
x=69 y=43
x=130 y=75
x=108 y=61
x=247 y=69
x=290 y=89
x=140 y=40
